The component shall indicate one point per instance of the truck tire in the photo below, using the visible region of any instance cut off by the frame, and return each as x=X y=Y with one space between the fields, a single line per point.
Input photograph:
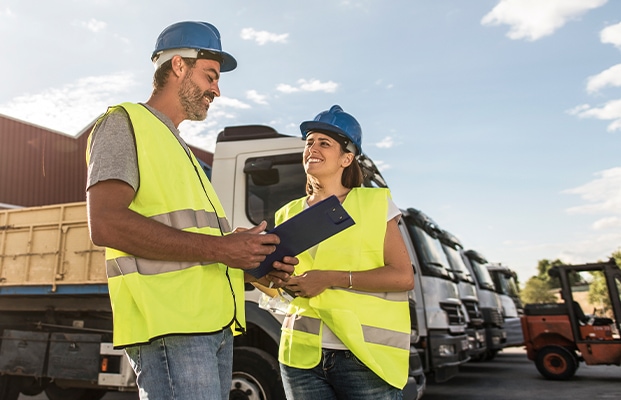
x=256 y=376
x=55 y=392
x=9 y=388
x=556 y=363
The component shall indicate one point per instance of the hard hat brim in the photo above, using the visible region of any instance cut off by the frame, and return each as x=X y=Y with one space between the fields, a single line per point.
x=308 y=126
x=228 y=61
x=333 y=131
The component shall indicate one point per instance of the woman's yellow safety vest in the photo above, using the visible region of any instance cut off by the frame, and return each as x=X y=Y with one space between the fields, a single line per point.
x=152 y=298
x=373 y=326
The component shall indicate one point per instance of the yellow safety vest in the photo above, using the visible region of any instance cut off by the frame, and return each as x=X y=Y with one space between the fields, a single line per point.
x=373 y=326
x=152 y=298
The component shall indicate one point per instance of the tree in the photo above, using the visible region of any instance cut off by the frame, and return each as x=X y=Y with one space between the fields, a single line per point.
x=537 y=290
x=598 y=292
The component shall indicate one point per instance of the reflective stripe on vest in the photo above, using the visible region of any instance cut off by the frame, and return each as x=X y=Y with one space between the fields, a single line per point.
x=374 y=326
x=156 y=298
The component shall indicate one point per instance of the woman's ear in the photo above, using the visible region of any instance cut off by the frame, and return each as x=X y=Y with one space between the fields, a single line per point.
x=347 y=160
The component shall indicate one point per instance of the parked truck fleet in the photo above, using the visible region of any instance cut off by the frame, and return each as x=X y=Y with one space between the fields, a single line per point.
x=55 y=315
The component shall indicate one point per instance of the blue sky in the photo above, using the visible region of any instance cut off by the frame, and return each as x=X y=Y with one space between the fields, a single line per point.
x=500 y=119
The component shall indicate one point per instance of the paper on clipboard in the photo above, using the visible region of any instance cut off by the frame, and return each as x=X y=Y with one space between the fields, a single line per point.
x=306 y=229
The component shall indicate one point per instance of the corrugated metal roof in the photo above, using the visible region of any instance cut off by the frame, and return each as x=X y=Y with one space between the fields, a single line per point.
x=42 y=167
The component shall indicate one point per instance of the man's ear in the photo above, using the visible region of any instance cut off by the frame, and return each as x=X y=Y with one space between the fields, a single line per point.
x=178 y=65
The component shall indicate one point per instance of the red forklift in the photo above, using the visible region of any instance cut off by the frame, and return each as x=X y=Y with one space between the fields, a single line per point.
x=559 y=336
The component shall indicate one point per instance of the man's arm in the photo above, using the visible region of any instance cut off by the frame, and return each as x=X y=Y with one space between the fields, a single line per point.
x=113 y=224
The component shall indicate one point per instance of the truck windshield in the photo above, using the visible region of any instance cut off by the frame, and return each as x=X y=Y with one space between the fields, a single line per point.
x=431 y=257
x=271 y=182
x=457 y=263
x=482 y=275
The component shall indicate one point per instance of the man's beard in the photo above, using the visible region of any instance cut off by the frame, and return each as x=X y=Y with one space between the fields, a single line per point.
x=192 y=98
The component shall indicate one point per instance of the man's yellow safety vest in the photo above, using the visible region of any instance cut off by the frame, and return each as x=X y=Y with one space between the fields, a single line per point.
x=153 y=298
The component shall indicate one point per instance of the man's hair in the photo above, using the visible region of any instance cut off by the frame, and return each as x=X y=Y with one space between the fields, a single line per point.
x=352 y=177
x=160 y=77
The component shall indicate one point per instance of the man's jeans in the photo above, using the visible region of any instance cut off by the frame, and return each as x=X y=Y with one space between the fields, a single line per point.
x=184 y=367
x=339 y=375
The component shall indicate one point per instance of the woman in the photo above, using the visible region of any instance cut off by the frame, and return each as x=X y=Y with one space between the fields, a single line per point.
x=347 y=333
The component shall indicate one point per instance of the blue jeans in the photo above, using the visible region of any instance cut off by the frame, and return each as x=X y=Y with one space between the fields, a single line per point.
x=339 y=375
x=184 y=367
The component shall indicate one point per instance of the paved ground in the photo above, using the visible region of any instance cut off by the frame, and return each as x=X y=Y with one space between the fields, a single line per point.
x=510 y=376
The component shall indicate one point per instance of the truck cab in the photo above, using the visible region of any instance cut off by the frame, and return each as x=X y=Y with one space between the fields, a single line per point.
x=441 y=319
x=506 y=286
x=255 y=171
x=468 y=294
x=489 y=302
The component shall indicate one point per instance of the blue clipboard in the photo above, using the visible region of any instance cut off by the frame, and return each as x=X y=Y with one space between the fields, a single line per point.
x=305 y=230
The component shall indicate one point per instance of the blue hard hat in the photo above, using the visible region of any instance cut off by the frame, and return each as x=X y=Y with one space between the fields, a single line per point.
x=335 y=121
x=201 y=39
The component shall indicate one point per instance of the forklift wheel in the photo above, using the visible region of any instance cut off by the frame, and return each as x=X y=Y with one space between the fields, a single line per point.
x=556 y=363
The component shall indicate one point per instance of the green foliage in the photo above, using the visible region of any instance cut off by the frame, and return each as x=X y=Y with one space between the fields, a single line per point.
x=598 y=292
x=544 y=266
x=536 y=290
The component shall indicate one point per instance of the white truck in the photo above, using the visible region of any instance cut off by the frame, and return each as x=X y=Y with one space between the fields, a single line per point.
x=55 y=316
x=490 y=304
x=468 y=294
x=512 y=310
x=441 y=319
x=255 y=171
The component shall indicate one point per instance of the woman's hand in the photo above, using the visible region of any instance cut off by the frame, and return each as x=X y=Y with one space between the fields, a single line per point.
x=311 y=283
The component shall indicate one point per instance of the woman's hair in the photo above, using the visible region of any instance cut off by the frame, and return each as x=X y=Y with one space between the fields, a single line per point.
x=352 y=177
x=161 y=74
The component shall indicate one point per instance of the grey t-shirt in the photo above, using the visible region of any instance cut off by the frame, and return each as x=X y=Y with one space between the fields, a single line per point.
x=113 y=148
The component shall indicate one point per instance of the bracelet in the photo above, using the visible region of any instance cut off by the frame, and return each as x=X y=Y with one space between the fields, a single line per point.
x=350 y=283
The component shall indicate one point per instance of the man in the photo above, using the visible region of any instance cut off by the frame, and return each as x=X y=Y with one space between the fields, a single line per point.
x=175 y=276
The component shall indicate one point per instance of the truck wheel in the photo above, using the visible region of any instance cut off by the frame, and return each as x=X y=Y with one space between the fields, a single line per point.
x=256 y=376
x=9 y=389
x=55 y=392
x=556 y=363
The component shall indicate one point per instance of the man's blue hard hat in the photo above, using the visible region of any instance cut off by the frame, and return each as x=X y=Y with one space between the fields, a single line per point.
x=335 y=121
x=192 y=39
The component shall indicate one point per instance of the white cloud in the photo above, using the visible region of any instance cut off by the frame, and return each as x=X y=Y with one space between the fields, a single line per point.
x=93 y=25
x=381 y=165
x=263 y=37
x=612 y=35
x=608 y=78
x=313 y=85
x=607 y=223
x=534 y=19
x=609 y=111
x=602 y=194
x=385 y=143
x=7 y=12
x=69 y=109
x=254 y=96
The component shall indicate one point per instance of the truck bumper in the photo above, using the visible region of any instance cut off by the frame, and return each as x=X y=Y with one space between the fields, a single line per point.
x=476 y=342
x=448 y=352
x=513 y=328
x=496 y=338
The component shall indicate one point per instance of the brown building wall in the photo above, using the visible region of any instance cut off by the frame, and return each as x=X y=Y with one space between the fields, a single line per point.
x=41 y=167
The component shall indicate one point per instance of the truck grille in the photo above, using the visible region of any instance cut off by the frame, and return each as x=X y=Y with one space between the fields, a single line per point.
x=475 y=315
x=454 y=312
x=493 y=317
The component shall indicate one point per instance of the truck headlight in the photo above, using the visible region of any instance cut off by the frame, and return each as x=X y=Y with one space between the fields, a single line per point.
x=446 y=350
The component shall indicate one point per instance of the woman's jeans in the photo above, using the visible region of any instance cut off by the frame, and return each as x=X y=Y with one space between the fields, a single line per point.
x=184 y=367
x=339 y=375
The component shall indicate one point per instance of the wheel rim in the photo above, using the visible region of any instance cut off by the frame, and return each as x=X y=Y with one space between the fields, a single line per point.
x=555 y=363
x=244 y=387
